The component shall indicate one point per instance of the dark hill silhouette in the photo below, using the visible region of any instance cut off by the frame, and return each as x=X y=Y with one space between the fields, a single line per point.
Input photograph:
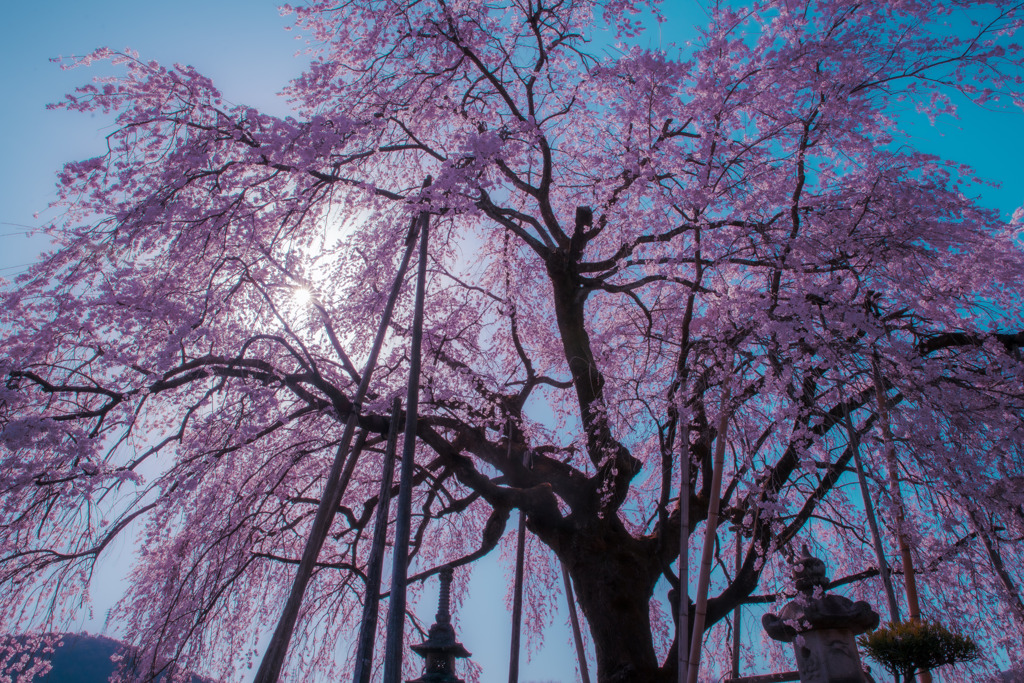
x=85 y=658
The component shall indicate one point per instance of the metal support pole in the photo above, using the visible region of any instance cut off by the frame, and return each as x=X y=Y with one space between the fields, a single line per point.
x=400 y=566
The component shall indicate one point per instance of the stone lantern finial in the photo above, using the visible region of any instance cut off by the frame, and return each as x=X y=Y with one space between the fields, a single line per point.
x=809 y=572
x=440 y=649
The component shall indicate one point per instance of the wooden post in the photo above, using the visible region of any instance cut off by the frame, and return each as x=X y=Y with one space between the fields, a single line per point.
x=876 y=536
x=704 y=578
x=403 y=512
x=517 y=600
x=909 y=576
x=581 y=655
x=683 y=625
x=273 y=658
x=517 y=589
x=737 y=613
x=368 y=626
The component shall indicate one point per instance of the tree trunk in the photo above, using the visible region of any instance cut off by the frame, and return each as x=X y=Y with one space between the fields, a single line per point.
x=614 y=575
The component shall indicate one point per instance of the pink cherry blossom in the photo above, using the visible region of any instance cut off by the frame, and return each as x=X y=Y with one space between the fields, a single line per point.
x=614 y=234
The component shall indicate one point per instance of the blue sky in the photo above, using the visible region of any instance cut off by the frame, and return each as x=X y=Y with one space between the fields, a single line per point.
x=240 y=44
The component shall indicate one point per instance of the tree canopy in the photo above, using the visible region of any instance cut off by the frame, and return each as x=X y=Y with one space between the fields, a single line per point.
x=635 y=256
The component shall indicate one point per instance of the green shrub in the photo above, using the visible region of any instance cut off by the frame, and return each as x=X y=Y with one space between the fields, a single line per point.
x=908 y=647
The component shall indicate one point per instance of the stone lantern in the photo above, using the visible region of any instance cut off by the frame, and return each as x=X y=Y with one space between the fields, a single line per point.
x=822 y=627
x=440 y=649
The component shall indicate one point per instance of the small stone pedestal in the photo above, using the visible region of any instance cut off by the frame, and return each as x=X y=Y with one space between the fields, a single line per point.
x=440 y=649
x=822 y=627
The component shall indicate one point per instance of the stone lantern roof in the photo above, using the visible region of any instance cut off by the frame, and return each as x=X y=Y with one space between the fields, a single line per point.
x=821 y=626
x=826 y=611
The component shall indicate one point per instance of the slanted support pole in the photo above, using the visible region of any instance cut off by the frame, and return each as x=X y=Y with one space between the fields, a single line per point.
x=869 y=510
x=400 y=565
x=273 y=658
x=368 y=628
x=581 y=654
